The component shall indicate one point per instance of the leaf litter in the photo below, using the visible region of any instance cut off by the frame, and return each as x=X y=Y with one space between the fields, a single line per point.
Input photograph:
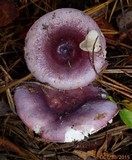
x=17 y=142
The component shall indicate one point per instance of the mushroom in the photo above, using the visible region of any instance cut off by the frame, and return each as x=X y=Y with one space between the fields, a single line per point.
x=56 y=53
x=38 y=108
x=66 y=49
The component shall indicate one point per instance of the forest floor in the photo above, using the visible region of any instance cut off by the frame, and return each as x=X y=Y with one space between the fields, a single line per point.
x=17 y=142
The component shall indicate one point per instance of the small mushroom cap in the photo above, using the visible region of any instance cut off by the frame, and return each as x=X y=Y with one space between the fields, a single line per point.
x=54 y=53
x=34 y=109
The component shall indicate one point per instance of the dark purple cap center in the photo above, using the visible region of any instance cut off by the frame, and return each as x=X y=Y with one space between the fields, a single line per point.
x=63 y=46
x=65 y=51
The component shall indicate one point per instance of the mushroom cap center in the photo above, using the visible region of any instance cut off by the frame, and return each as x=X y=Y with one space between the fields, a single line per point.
x=65 y=51
x=63 y=48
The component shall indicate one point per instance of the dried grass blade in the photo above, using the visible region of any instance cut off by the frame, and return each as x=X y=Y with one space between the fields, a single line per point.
x=116 y=88
x=10 y=100
x=98 y=7
x=15 y=82
x=117 y=83
x=113 y=9
x=7 y=143
x=111 y=71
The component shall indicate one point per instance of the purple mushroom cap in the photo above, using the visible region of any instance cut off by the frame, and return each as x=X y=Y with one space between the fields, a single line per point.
x=35 y=110
x=60 y=49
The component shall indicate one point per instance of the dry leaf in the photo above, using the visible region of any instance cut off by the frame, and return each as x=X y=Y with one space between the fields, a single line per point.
x=85 y=155
x=8 y=12
x=102 y=148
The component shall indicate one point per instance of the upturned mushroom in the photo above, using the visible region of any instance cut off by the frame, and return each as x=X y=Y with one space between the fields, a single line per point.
x=66 y=49
x=63 y=116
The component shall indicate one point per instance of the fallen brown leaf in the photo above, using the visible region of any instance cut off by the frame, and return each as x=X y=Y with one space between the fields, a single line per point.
x=84 y=155
x=8 y=12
